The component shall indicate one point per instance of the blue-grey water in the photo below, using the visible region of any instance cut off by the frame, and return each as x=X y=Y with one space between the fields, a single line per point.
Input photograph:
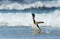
x=14 y=13
x=24 y=32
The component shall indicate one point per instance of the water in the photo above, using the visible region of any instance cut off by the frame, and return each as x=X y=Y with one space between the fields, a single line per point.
x=16 y=24
x=16 y=19
x=25 y=32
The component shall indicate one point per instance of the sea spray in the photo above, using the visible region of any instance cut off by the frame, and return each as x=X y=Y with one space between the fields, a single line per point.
x=13 y=19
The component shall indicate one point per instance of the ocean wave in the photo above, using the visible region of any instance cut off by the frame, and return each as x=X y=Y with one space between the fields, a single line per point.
x=37 y=4
x=25 y=19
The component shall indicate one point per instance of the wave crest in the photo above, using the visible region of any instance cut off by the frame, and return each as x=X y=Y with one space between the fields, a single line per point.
x=37 y=4
x=18 y=19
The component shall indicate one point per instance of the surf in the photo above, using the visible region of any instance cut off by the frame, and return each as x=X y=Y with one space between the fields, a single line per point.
x=19 y=6
x=14 y=19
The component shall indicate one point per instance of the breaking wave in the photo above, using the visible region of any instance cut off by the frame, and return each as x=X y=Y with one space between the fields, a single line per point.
x=19 y=6
x=25 y=19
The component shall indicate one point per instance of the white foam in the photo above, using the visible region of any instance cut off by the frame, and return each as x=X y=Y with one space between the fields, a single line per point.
x=25 y=19
x=14 y=5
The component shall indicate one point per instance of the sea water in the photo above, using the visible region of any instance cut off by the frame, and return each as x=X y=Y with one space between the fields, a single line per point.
x=16 y=19
x=25 y=32
x=17 y=25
